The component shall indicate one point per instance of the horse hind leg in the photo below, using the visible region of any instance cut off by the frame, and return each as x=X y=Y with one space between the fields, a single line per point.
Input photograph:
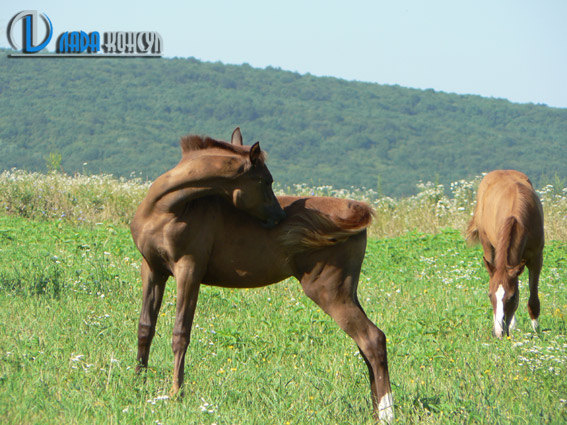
x=338 y=299
x=153 y=285
x=372 y=345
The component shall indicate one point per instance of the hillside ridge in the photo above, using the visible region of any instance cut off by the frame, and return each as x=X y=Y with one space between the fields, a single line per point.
x=125 y=116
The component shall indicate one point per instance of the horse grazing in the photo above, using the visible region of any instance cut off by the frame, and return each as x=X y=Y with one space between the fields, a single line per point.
x=214 y=219
x=508 y=222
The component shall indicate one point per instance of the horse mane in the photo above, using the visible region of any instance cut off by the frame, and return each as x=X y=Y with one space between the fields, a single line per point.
x=192 y=143
x=312 y=229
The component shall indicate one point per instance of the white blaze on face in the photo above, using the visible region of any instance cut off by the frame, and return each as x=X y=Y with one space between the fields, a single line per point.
x=386 y=408
x=499 y=312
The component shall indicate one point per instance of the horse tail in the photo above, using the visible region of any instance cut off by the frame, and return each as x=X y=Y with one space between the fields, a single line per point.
x=472 y=235
x=313 y=229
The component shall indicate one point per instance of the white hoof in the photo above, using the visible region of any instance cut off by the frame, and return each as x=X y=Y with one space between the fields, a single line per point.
x=535 y=324
x=386 y=409
x=513 y=323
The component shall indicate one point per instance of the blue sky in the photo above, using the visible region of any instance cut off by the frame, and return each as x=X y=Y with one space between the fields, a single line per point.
x=499 y=48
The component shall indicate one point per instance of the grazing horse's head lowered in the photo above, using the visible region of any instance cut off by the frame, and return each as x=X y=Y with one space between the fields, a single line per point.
x=504 y=294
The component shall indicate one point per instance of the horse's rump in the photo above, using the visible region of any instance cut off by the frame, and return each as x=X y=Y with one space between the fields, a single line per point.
x=318 y=222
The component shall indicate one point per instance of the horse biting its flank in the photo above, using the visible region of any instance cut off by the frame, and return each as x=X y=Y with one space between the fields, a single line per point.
x=209 y=167
x=508 y=222
x=214 y=219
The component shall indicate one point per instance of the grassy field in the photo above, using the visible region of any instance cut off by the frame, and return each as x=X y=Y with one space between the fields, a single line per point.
x=69 y=303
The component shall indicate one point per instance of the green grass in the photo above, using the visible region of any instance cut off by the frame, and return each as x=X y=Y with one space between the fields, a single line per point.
x=69 y=303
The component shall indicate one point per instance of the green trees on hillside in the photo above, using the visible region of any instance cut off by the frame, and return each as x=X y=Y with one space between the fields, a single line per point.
x=127 y=115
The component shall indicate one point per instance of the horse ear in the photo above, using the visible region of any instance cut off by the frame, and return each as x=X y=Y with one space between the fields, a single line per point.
x=255 y=153
x=515 y=271
x=236 y=138
x=489 y=266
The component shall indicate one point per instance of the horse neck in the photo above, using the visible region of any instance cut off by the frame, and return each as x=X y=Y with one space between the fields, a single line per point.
x=185 y=183
x=172 y=200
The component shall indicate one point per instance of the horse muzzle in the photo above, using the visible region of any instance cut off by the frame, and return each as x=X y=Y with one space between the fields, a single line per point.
x=274 y=219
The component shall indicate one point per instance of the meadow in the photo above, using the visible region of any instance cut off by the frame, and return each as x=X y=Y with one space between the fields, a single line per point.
x=70 y=296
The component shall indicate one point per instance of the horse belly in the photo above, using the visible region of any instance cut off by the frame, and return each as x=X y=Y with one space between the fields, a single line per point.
x=245 y=263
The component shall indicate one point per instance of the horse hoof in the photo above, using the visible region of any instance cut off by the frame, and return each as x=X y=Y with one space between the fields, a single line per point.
x=535 y=324
x=175 y=392
x=513 y=323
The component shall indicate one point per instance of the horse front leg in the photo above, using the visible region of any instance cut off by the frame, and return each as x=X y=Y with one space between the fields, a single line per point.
x=534 y=268
x=188 y=283
x=153 y=285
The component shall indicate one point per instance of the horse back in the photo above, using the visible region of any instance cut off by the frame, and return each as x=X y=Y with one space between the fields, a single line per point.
x=503 y=194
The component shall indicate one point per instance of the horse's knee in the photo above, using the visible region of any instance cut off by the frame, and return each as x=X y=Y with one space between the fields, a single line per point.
x=145 y=336
x=180 y=342
x=145 y=333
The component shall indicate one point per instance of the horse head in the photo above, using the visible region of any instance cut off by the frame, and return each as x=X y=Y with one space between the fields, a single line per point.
x=504 y=294
x=251 y=190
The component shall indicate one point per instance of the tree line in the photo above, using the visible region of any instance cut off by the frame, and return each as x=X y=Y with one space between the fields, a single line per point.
x=125 y=116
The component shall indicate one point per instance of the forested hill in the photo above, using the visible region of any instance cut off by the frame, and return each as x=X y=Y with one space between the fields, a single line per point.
x=126 y=115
